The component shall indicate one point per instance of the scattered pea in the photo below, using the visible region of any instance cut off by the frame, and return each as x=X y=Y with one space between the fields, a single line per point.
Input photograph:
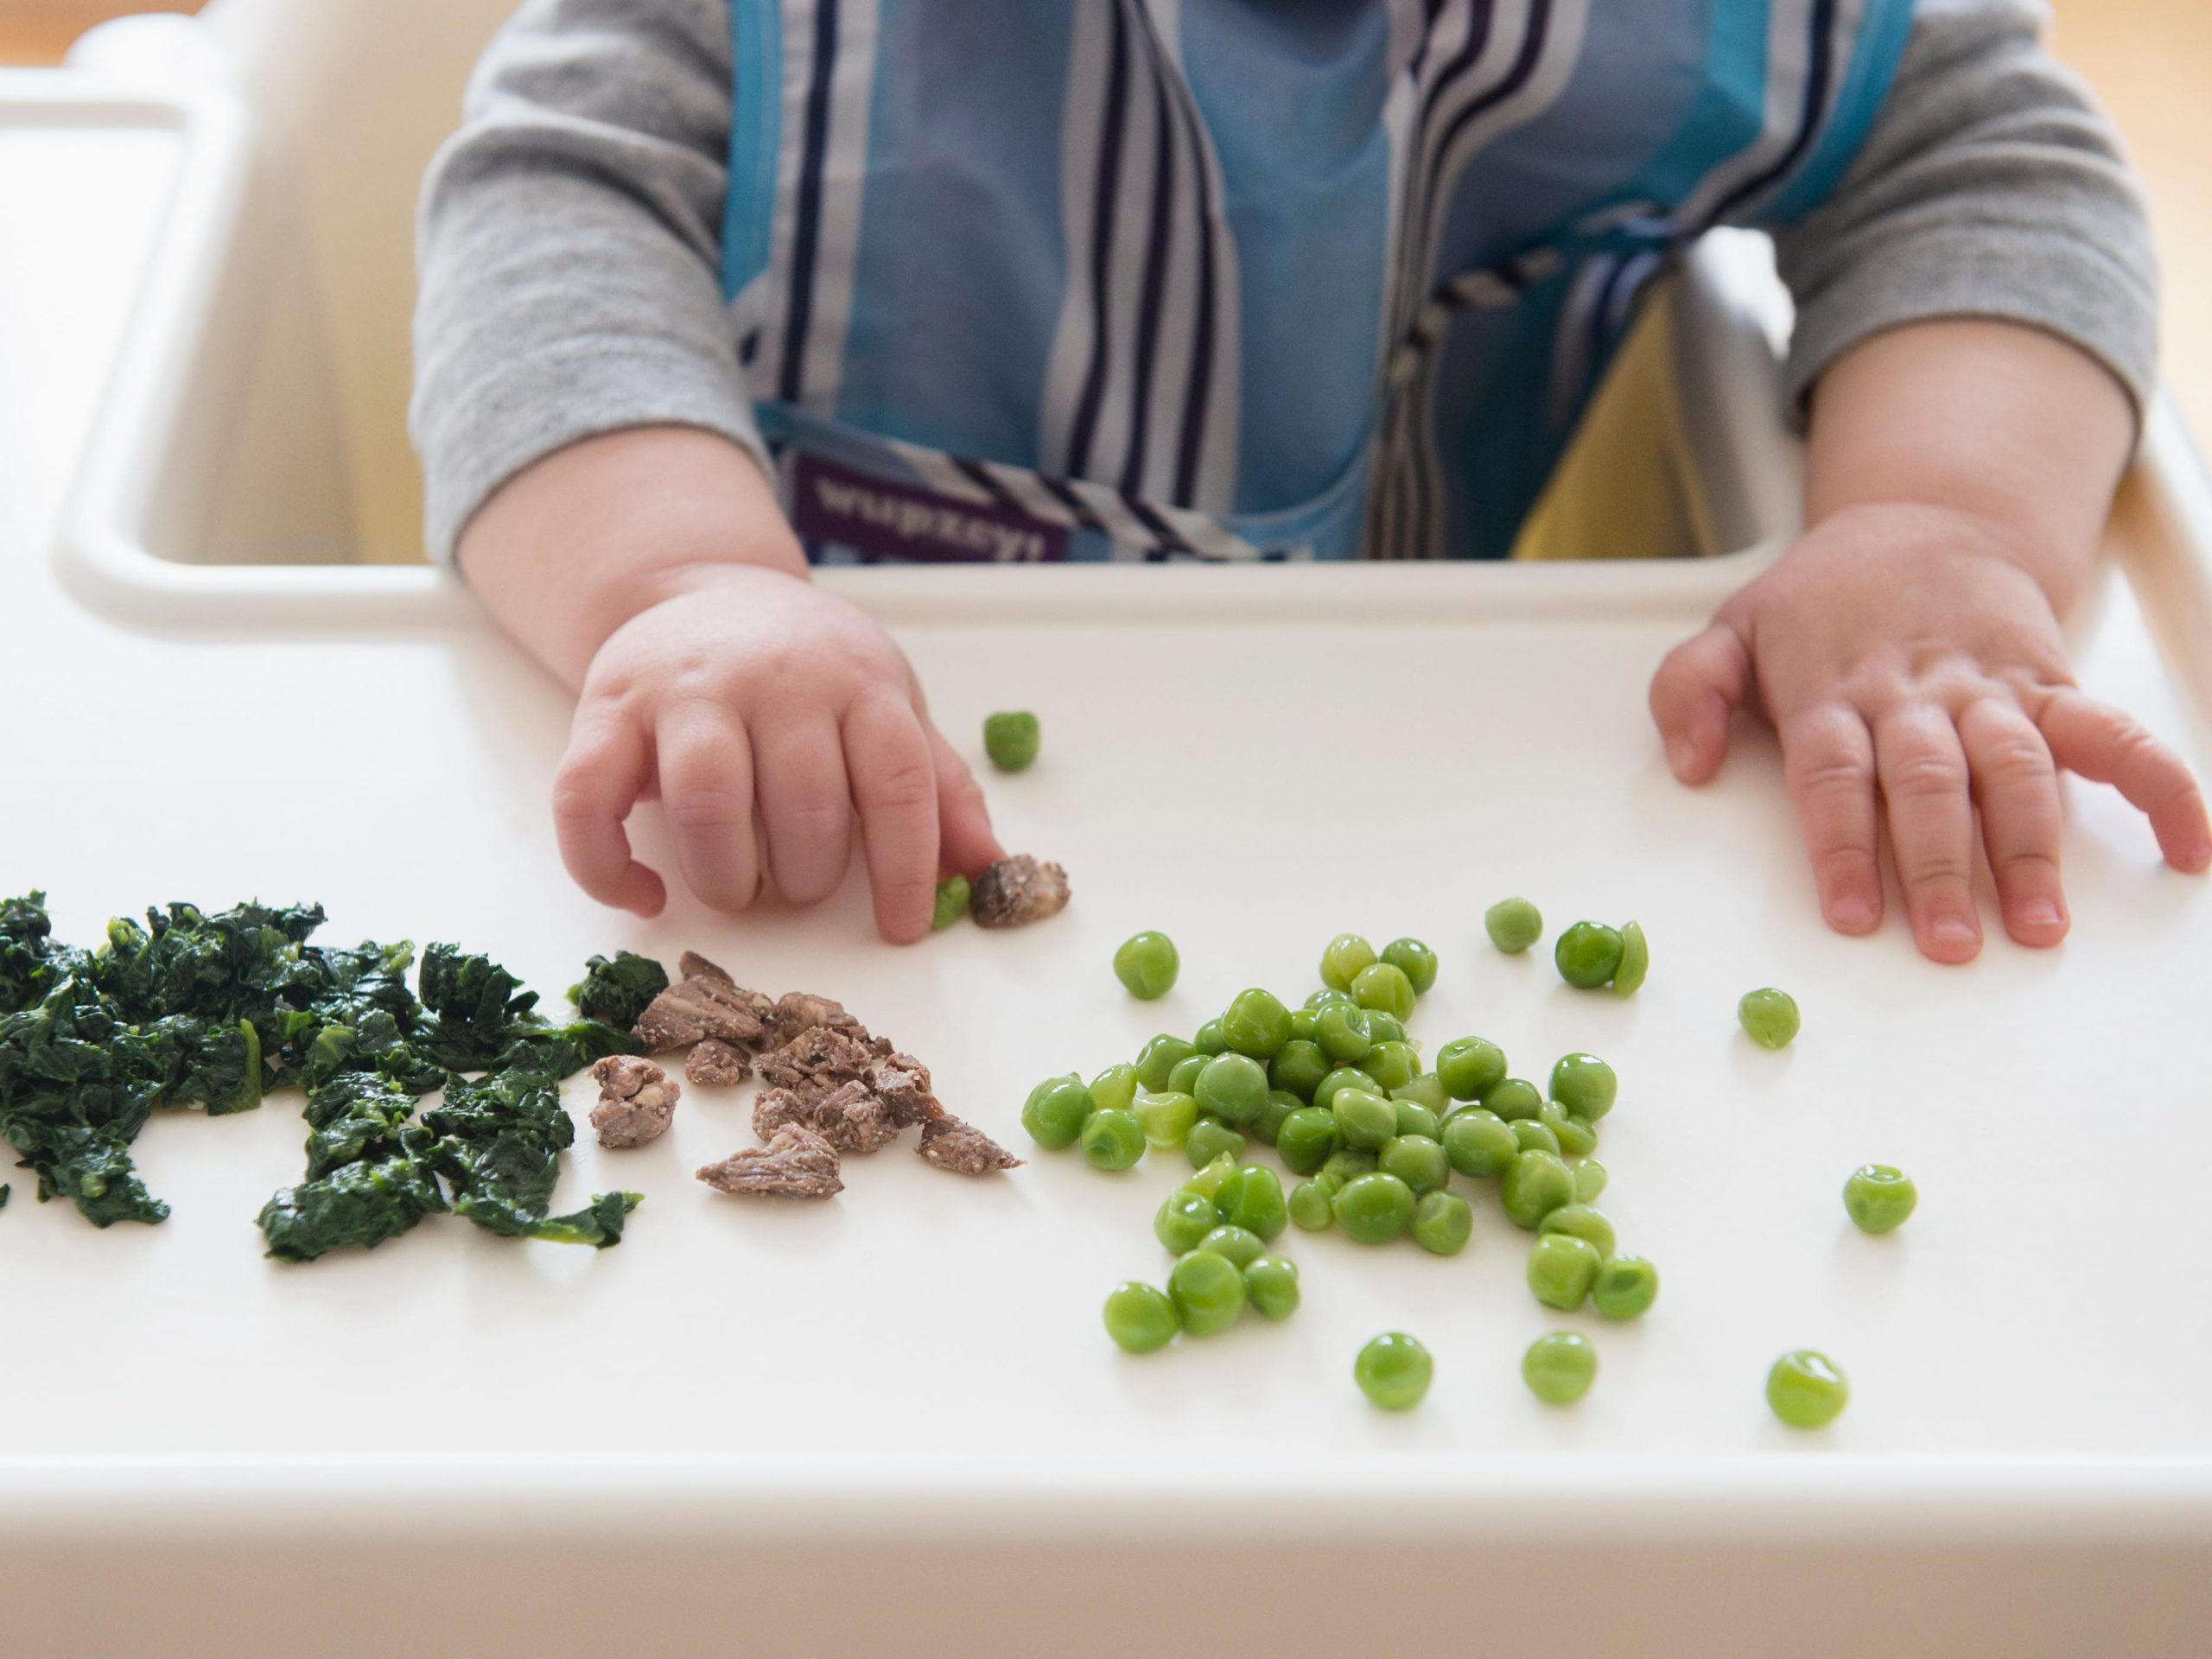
x=1010 y=739
x=1256 y=1023
x=1384 y=1027
x=1575 y=1135
x=1587 y=954
x=1443 y=1223
x=1480 y=1142
x=1208 y=1291
x=1425 y=1091
x=1879 y=1197
x=1211 y=1140
x=1414 y=960
x=1308 y=1135
x=1238 y=1244
x=1167 y=1117
x=1393 y=1371
x=1514 y=1098
x=1374 y=1209
x=1534 y=1135
x=1310 y=1205
x=1302 y=1024
x=1342 y=1031
x=1561 y=1269
x=1233 y=1087
x=1636 y=960
x=1251 y=1197
x=1055 y=1112
x=1391 y=1064
x=1112 y=1139
x=1582 y=1222
x=1513 y=925
x=1805 y=1389
x=1298 y=1066
x=1768 y=1017
x=1627 y=1286
x=1585 y=1084
x=1470 y=1067
x=1340 y=1079
x=1383 y=985
x=1363 y=1119
x=1115 y=1086
x=1271 y=1286
x=1589 y=1179
x=1327 y=995
x=1560 y=1366
x=1146 y=965
x=1346 y=1165
x=1209 y=1039
x=1183 y=1219
x=1280 y=1103
x=1413 y=1118
x=1535 y=1184
x=1207 y=1179
x=1183 y=1079
x=1140 y=1318
x=952 y=903
x=1344 y=959
x=1158 y=1057
x=1417 y=1161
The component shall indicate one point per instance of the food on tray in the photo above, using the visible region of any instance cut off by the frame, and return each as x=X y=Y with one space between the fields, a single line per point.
x=1010 y=740
x=716 y=1062
x=1394 y=1371
x=617 y=992
x=1513 y=925
x=636 y=1100
x=1208 y=1291
x=1146 y=965
x=1626 y=1286
x=1805 y=1389
x=705 y=1002
x=1879 y=1197
x=796 y=1163
x=1018 y=890
x=962 y=1148
x=1560 y=1366
x=1768 y=1017
x=952 y=903
x=1414 y=960
x=1636 y=960
x=1588 y=953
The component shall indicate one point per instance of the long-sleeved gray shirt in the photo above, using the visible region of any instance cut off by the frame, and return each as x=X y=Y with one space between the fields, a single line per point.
x=570 y=230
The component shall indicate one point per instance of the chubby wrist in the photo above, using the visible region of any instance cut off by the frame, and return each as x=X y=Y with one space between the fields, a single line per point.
x=2058 y=564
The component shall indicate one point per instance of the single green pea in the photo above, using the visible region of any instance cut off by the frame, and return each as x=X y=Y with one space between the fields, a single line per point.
x=1627 y=1286
x=1010 y=739
x=1140 y=1318
x=1514 y=1098
x=1327 y=995
x=1298 y=1066
x=1393 y=1371
x=1581 y=1221
x=952 y=895
x=1207 y=1179
x=1443 y=1221
x=1768 y=1017
x=1240 y=1245
x=1183 y=1079
x=1280 y=1103
x=1383 y=985
x=1879 y=1197
x=1146 y=965
x=1534 y=1135
x=1535 y=1184
x=1636 y=961
x=1308 y=1135
x=1340 y=1079
x=1209 y=1039
x=1374 y=1209
x=1385 y=1028
x=1166 y=1117
x=1414 y=960
x=1587 y=954
x=1256 y=1023
x=1805 y=1389
x=1589 y=1179
x=1115 y=1086
x=1310 y=1203
x=1159 y=1057
x=1208 y=1291
x=1413 y=1118
x=1112 y=1139
x=1575 y=1135
x=1271 y=1286
x=1342 y=960
x=1209 y=1139
x=1302 y=1024
x=1233 y=1087
x=1183 y=1219
x=1252 y=1198
x=1363 y=1119
x=1560 y=1366
x=1055 y=1112
x=1424 y=1090
x=1561 y=1269
x=1343 y=1033
x=1513 y=925
x=1346 y=1165
x=1391 y=1064
x=1417 y=1161
x=1479 y=1143
x=1470 y=1067
x=1585 y=1084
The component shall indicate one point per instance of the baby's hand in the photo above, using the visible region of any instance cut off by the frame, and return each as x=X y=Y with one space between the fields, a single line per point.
x=751 y=688
x=1899 y=650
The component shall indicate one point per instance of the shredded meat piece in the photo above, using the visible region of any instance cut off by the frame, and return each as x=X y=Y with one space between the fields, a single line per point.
x=816 y=1061
x=796 y=1163
x=964 y=1148
x=903 y=1084
x=849 y=1117
x=636 y=1100
x=797 y=1013
x=1018 y=890
x=705 y=1002
x=712 y=1060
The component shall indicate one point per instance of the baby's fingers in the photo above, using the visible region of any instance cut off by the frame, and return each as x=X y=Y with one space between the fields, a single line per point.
x=1828 y=760
x=598 y=782
x=1701 y=684
x=2017 y=789
x=705 y=788
x=894 y=788
x=1924 y=780
x=2106 y=747
x=968 y=844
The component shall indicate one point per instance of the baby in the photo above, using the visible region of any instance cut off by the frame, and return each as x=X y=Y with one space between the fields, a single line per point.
x=711 y=288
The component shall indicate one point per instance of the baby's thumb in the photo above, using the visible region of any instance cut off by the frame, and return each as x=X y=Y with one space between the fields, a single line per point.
x=1701 y=683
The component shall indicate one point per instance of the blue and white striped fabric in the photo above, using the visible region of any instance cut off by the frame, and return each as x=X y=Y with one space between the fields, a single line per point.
x=1236 y=278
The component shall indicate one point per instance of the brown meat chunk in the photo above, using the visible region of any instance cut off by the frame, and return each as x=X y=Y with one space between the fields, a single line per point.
x=636 y=1101
x=816 y=1061
x=799 y=1012
x=712 y=1060
x=796 y=1163
x=849 y=1117
x=705 y=1002
x=903 y=1084
x=964 y=1148
x=1018 y=890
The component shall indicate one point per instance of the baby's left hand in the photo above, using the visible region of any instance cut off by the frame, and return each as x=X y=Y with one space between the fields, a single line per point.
x=1899 y=651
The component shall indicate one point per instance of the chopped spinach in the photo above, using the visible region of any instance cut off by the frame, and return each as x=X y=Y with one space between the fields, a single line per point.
x=618 y=991
x=499 y=1144
x=361 y=1203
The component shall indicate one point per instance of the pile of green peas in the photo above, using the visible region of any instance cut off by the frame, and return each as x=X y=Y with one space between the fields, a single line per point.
x=1218 y=1225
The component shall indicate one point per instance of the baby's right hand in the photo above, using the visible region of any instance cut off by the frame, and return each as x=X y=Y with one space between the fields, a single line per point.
x=750 y=688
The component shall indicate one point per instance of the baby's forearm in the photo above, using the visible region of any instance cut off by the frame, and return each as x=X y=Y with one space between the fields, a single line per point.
x=575 y=545
x=2020 y=434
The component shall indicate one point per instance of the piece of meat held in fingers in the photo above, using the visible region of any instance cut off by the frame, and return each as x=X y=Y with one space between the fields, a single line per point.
x=850 y=1117
x=636 y=1101
x=713 y=1061
x=1016 y=891
x=796 y=1163
x=705 y=1002
x=962 y=1148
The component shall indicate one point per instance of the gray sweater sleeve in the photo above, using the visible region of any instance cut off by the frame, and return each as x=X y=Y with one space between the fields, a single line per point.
x=1991 y=186
x=569 y=247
